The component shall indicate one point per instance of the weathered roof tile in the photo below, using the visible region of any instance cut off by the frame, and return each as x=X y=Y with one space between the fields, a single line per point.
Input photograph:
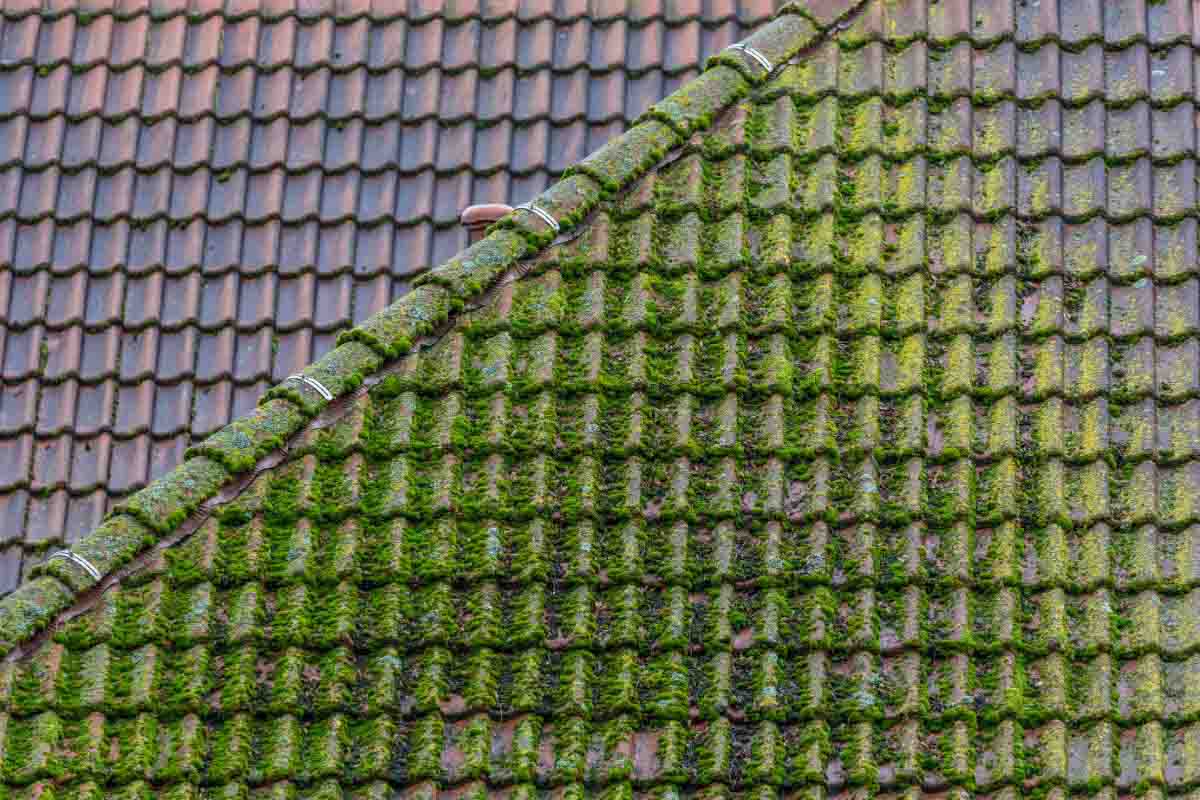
x=849 y=449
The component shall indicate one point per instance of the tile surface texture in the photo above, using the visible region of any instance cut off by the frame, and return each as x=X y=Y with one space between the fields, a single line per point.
x=195 y=199
x=853 y=452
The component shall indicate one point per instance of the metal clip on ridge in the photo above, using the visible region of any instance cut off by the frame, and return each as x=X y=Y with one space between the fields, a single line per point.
x=541 y=212
x=762 y=60
x=314 y=383
x=78 y=560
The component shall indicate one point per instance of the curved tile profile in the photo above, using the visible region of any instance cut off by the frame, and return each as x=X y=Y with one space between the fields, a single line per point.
x=214 y=192
x=841 y=442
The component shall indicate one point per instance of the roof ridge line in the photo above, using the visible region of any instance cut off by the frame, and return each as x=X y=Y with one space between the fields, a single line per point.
x=156 y=514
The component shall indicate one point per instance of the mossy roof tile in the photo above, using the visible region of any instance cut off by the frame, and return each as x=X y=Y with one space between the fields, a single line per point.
x=843 y=441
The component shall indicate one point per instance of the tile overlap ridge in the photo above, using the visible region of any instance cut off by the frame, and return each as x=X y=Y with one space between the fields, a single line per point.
x=157 y=511
x=355 y=10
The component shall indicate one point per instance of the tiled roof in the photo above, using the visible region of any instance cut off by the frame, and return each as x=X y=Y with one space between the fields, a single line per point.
x=195 y=198
x=844 y=443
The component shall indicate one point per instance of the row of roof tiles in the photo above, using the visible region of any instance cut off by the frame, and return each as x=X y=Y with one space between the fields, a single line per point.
x=394 y=95
x=1068 y=174
x=750 y=12
x=191 y=45
x=1040 y=197
x=1163 y=76
x=1069 y=21
x=399 y=150
x=126 y=245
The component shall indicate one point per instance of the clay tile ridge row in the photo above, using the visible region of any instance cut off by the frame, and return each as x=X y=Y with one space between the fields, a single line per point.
x=214 y=471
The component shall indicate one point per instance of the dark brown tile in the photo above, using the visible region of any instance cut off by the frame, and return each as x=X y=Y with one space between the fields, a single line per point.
x=20 y=39
x=143 y=300
x=129 y=464
x=18 y=405
x=252 y=356
x=10 y=564
x=336 y=252
x=1124 y=22
x=12 y=143
x=530 y=148
x=373 y=249
x=344 y=145
x=212 y=408
x=76 y=191
x=176 y=354
x=381 y=146
x=69 y=248
x=422 y=95
x=13 y=506
x=348 y=93
x=293 y=354
x=568 y=145
x=55 y=407
x=165 y=455
x=496 y=93
x=47 y=517
x=148 y=241
x=16 y=461
x=416 y=201
x=314 y=44
x=135 y=408
x=94 y=407
x=38 y=194
x=189 y=195
x=35 y=245
x=185 y=246
x=260 y=246
x=339 y=197
x=51 y=463
x=295 y=301
x=152 y=194
x=334 y=297
x=535 y=46
x=298 y=246
x=222 y=246
x=385 y=94
x=172 y=409
x=21 y=349
x=606 y=97
x=460 y=45
x=414 y=243
x=370 y=296
x=215 y=355
x=50 y=90
x=114 y=195
x=305 y=148
x=84 y=513
x=273 y=92
x=452 y=193
x=100 y=349
x=16 y=87
x=181 y=300
x=27 y=296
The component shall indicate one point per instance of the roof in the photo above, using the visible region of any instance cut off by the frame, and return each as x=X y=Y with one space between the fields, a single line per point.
x=841 y=443
x=195 y=198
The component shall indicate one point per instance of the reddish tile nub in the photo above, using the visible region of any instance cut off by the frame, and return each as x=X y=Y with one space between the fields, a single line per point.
x=476 y=219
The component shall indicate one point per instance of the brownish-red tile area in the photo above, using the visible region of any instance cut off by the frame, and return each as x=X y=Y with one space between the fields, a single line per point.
x=196 y=196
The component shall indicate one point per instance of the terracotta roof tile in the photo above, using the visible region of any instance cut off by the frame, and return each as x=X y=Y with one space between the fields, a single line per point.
x=852 y=452
x=157 y=167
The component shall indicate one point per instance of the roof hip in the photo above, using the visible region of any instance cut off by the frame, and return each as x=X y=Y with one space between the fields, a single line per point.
x=151 y=515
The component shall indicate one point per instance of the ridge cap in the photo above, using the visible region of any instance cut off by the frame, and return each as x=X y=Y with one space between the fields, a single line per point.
x=171 y=507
